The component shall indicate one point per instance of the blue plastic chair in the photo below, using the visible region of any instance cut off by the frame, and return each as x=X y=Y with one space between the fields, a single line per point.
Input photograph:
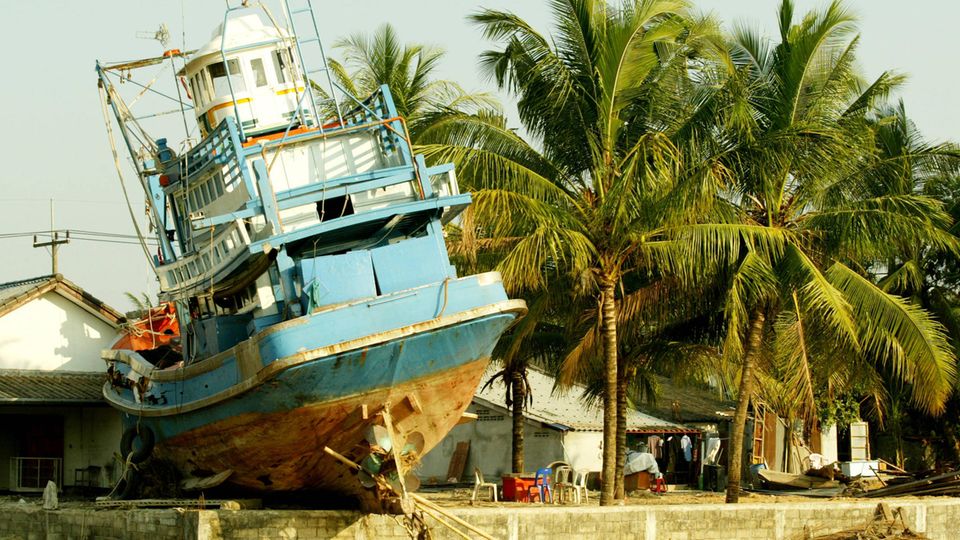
x=541 y=485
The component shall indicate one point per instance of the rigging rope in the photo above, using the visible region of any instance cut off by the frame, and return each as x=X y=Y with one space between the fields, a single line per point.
x=123 y=186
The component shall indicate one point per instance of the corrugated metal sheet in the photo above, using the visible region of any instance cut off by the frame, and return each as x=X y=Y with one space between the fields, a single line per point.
x=566 y=410
x=20 y=386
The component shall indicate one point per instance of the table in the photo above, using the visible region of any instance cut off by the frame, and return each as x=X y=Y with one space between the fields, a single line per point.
x=516 y=487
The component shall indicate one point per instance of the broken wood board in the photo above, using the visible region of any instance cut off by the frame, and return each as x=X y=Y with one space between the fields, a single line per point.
x=458 y=461
x=795 y=480
x=206 y=482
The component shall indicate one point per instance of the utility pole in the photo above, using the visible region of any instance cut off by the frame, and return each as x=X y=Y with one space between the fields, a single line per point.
x=55 y=240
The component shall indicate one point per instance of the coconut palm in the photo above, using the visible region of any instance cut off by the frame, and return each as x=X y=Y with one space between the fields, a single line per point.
x=370 y=61
x=801 y=303
x=600 y=194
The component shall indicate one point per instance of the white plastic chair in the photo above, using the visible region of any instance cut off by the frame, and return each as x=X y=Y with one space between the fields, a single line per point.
x=580 y=486
x=564 y=483
x=479 y=484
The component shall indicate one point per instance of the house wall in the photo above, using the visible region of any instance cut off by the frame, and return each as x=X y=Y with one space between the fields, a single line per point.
x=52 y=333
x=583 y=450
x=91 y=437
x=490 y=439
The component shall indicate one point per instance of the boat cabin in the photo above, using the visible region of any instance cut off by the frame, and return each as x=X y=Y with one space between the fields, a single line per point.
x=248 y=70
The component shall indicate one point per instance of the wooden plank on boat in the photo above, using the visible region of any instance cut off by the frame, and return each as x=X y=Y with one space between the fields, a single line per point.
x=467 y=417
x=458 y=461
x=207 y=482
x=225 y=504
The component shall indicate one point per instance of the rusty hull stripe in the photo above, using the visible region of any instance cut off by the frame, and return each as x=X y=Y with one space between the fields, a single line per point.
x=507 y=306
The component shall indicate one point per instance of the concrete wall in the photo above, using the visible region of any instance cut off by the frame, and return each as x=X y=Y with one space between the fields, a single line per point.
x=53 y=333
x=936 y=518
x=91 y=437
x=583 y=450
x=30 y=522
x=490 y=439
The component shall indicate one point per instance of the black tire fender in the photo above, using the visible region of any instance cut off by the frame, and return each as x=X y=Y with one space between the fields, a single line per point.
x=146 y=443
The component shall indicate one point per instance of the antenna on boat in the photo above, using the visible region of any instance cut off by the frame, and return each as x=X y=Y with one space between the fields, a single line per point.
x=162 y=35
x=55 y=241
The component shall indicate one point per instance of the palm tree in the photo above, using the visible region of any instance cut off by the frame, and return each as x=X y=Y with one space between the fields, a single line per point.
x=536 y=340
x=800 y=301
x=604 y=196
x=370 y=61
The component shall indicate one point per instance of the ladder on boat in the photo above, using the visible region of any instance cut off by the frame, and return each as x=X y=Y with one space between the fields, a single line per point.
x=306 y=33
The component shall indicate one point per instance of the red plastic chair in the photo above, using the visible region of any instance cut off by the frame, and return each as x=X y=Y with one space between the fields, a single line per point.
x=659 y=486
x=541 y=486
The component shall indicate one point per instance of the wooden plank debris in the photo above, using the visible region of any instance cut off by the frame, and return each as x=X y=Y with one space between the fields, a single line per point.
x=944 y=484
x=458 y=461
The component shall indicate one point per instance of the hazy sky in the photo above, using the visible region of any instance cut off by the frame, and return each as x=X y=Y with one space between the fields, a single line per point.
x=53 y=143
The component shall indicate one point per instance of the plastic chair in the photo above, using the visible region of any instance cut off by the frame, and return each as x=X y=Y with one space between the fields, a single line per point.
x=563 y=483
x=659 y=485
x=580 y=486
x=479 y=484
x=541 y=485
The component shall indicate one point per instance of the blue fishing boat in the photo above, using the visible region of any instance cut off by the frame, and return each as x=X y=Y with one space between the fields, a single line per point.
x=299 y=243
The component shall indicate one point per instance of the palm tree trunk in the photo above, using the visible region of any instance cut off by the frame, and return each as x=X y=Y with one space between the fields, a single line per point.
x=735 y=444
x=608 y=315
x=519 y=399
x=618 y=488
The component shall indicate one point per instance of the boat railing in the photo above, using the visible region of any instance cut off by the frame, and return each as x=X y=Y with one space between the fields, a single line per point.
x=219 y=149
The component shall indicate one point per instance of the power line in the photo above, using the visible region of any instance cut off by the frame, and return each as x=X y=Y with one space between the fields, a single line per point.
x=94 y=236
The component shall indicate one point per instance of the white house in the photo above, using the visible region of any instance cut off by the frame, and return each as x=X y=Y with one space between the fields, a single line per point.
x=56 y=425
x=559 y=427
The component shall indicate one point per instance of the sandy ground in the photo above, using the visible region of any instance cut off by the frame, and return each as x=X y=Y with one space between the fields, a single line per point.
x=454 y=497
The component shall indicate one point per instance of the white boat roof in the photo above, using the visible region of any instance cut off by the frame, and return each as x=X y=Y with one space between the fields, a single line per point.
x=245 y=30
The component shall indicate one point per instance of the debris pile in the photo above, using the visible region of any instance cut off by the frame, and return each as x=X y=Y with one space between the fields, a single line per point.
x=944 y=484
x=887 y=525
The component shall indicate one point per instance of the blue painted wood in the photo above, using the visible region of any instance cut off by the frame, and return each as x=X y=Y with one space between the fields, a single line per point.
x=409 y=264
x=387 y=310
x=351 y=373
x=333 y=279
x=363 y=217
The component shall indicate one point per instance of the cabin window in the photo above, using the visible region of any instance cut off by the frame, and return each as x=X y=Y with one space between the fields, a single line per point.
x=221 y=87
x=259 y=74
x=193 y=90
x=205 y=84
x=202 y=94
x=281 y=61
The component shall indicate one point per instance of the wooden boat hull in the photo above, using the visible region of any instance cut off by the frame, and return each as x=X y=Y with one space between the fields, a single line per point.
x=283 y=451
x=272 y=432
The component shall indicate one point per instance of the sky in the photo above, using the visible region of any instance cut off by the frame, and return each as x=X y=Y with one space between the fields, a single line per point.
x=53 y=144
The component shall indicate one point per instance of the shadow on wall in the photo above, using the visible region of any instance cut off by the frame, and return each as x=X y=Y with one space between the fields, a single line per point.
x=83 y=337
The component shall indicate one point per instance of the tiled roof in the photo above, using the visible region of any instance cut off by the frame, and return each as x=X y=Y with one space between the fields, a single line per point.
x=22 y=386
x=13 y=294
x=566 y=409
x=13 y=289
x=688 y=403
